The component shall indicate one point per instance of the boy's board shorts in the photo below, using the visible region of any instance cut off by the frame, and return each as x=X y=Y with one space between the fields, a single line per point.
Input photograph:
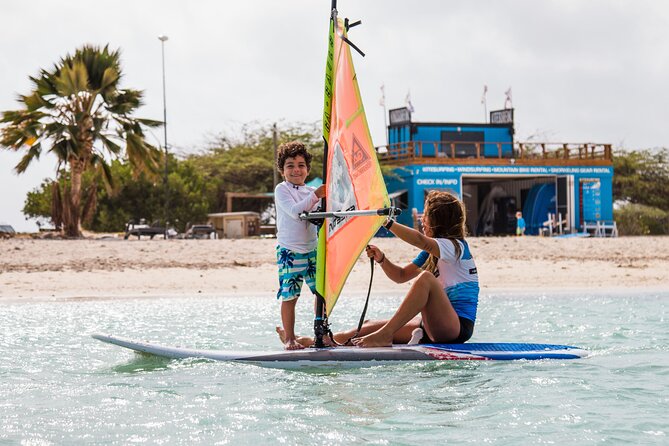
x=294 y=269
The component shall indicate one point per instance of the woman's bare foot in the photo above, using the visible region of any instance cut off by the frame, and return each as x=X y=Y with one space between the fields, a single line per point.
x=376 y=339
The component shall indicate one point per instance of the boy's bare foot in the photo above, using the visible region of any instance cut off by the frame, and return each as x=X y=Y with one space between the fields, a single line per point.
x=282 y=334
x=292 y=344
x=304 y=341
x=376 y=339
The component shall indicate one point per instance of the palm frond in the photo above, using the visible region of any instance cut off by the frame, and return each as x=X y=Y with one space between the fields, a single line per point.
x=110 y=78
x=34 y=102
x=72 y=79
x=142 y=156
x=110 y=145
x=108 y=178
x=149 y=122
x=33 y=153
x=125 y=101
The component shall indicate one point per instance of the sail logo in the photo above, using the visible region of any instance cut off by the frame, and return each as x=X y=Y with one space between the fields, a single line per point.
x=360 y=157
x=337 y=222
x=341 y=196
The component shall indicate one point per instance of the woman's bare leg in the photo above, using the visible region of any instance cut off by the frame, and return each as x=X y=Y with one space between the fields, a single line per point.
x=402 y=336
x=427 y=297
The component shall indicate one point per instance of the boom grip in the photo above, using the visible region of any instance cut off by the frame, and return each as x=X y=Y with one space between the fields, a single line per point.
x=391 y=211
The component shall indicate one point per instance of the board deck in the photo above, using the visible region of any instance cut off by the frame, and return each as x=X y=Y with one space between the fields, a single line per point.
x=357 y=357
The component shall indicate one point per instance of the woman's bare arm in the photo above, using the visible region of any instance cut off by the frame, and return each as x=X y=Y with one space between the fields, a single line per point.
x=396 y=273
x=415 y=238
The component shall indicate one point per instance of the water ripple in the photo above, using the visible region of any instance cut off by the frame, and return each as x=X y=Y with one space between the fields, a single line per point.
x=59 y=386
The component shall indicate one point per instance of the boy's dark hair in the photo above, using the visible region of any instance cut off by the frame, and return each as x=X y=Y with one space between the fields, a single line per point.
x=291 y=150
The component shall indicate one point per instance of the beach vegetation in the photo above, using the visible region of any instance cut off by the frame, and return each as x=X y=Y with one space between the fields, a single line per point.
x=134 y=197
x=78 y=111
x=639 y=219
x=640 y=183
x=642 y=177
x=243 y=161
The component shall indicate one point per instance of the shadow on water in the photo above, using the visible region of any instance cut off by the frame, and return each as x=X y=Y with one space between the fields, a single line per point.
x=142 y=362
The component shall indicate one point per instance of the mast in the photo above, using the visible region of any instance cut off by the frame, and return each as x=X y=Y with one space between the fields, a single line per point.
x=320 y=325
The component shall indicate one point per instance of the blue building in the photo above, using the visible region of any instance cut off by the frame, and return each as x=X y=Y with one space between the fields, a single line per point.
x=559 y=187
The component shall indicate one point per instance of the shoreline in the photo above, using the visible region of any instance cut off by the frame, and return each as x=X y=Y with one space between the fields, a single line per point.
x=498 y=293
x=44 y=270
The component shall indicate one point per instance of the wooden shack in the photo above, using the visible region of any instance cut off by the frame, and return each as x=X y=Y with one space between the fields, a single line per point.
x=235 y=224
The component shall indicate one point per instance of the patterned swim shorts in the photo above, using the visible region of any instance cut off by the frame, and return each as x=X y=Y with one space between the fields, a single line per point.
x=294 y=268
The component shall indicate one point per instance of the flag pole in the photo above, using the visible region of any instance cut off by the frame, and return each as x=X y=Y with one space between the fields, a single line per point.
x=484 y=101
x=385 y=114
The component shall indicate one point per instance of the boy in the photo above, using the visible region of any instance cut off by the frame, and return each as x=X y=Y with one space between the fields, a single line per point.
x=297 y=239
x=520 y=224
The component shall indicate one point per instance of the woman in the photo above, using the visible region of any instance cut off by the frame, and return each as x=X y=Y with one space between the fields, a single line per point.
x=445 y=293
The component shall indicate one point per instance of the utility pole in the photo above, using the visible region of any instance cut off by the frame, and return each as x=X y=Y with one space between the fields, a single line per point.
x=274 y=168
x=162 y=39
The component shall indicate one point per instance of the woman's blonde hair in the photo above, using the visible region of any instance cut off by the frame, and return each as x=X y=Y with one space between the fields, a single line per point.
x=447 y=217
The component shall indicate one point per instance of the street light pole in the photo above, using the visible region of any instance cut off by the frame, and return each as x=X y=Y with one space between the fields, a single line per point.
x=162 y=39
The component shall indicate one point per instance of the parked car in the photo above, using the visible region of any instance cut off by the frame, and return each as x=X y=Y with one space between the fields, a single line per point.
x=201 y=232
x=6 y=231
x=142 y=229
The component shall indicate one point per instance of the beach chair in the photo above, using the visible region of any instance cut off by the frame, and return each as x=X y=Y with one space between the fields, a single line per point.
x=554 y=225
x=591 y=227
x=606 y=229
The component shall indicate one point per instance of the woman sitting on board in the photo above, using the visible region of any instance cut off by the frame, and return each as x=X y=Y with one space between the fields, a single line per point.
x=445 y=292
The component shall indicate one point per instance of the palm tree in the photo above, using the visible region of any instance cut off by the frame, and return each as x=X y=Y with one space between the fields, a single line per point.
x=78 y=112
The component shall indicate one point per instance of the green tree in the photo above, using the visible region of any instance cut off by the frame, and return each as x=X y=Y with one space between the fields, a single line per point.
x=38 y=203
x=78 y=112
x=135 y=197
x=245 y=163
x=642 y=177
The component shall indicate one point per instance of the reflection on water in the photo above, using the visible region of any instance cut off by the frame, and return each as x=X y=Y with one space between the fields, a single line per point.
x=59 y=386
x=142 y=362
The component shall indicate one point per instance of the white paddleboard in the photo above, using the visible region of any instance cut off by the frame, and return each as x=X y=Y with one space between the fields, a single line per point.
x=357 y=357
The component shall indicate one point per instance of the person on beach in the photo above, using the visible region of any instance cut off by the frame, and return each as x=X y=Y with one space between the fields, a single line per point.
x=520 y=224
x=445 y=292
x=296 y=239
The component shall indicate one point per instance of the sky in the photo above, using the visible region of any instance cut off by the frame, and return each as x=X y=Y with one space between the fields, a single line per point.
x=579 y=70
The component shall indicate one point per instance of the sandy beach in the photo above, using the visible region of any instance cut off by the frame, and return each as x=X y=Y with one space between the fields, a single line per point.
x=35 y=269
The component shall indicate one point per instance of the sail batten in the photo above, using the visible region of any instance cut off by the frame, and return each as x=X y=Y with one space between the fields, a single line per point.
x=353 y=180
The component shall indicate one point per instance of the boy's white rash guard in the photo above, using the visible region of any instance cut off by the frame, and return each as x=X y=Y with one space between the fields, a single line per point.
x=291 y=232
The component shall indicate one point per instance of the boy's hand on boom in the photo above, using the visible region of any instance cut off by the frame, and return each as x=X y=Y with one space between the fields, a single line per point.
x=320 y=191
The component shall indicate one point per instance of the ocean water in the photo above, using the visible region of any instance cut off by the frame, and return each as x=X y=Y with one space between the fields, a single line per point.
x=60 y=386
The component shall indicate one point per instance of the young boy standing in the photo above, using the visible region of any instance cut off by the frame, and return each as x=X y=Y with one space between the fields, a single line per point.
x=520 y=224
x=297 y=239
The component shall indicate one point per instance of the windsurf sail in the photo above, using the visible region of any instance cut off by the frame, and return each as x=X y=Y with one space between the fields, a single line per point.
x=351 y=173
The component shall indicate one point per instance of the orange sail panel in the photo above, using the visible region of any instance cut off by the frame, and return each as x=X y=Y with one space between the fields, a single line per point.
x=354 y=180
